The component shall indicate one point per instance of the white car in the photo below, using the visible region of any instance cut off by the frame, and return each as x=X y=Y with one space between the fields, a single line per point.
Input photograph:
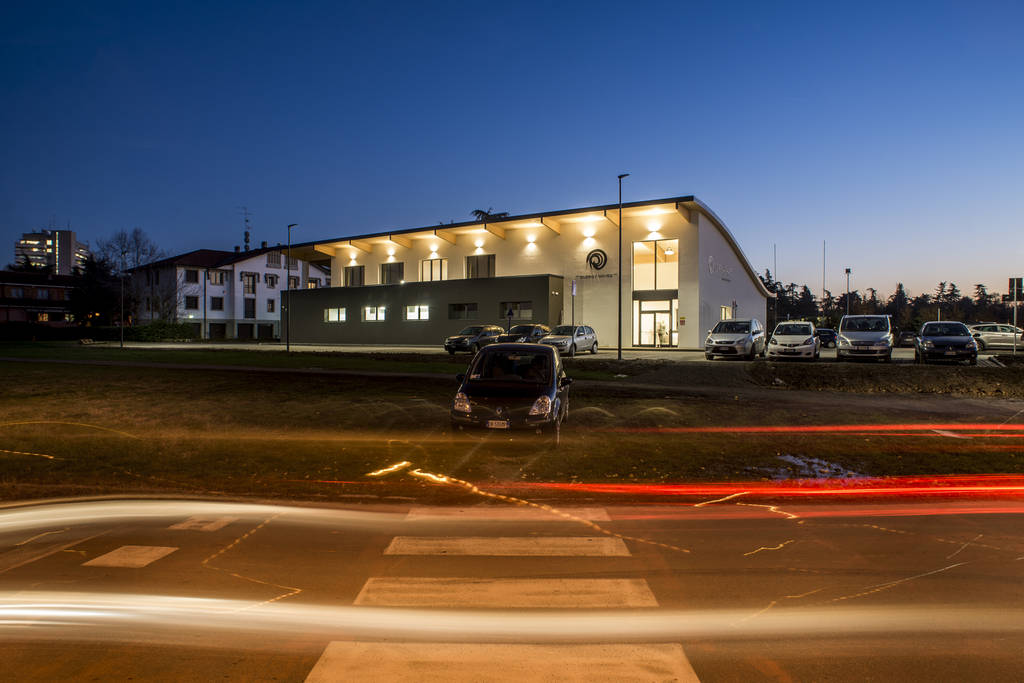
x=737 y=338
x=794 y=339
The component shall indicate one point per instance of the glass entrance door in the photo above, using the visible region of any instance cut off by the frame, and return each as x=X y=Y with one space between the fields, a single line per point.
x=654 y=323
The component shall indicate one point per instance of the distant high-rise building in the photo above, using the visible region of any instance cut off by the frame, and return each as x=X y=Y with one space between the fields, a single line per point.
x=57 y=249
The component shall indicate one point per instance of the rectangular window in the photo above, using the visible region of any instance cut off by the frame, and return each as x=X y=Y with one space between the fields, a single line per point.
x=273 y=259
x=43 y=317
x=271 y=279
x=354 y=276
x=17 y=292
x=480 y=265
x=313 y=283
x=373 y=313
x=334 y=315
x=521 y=310
x=216 y=277
x=191 y=276
x=191 y=303
x=293 y=282
x=216 y=303
x=655 y=265
x=42 y=293
x=725 y=312
x=293 y=263
x=433 y=269
x=462 y=312
x=392 y=273
x=270 y=305
x=417 y=312
x=250 y=309
x=248 y=283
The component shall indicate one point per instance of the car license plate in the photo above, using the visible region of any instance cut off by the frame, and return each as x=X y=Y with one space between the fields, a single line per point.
x=950 y=353
x=497 y=424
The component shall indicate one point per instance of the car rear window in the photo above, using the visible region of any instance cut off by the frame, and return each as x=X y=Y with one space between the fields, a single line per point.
x=512 y=366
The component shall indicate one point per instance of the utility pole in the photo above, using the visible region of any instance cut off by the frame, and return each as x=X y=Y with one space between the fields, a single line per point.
x=847 y=291
x=288 y=292
x=619 y=293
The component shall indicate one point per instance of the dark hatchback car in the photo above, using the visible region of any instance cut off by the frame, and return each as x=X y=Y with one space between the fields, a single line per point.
x=906 y=338
x=525 y=333
x=513 y=386
x=949 y=341
x=827 y=337
x=472 y=338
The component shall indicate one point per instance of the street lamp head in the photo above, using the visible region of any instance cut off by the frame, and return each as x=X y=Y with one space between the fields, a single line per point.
x=847 y=271
x=292 y=225
x=622 y=175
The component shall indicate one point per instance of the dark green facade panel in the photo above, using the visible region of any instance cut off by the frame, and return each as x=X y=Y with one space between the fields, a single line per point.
x=316 y=311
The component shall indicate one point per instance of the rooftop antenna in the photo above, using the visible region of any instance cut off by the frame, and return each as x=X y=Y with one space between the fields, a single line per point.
x=248 y=227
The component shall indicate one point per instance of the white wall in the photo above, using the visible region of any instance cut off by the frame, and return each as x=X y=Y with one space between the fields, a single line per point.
x=724 y=279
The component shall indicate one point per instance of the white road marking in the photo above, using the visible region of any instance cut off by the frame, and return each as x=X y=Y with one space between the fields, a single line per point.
x=397 y=662
x=515 y=546
x=493 y=513
x=134 y=556
x=412 y=591
x=29 y=555
x=204 y=523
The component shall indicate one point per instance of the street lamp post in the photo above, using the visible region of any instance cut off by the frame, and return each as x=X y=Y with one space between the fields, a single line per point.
x=847 y=291
x=288 y=292
x=619 y=295
x=123 y=253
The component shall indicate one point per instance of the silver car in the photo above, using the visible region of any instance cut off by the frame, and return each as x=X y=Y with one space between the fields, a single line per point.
x=569 y=339
x=996 y=336
x=738 y=338
x=865 y=336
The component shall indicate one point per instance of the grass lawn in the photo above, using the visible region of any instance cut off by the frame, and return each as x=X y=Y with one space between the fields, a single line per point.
x=111 y=429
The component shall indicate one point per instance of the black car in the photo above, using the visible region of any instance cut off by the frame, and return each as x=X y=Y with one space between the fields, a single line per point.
x=525 y=333
x=827 y=337
x=942 y=340
x=906 y=338
x=513 y=386
x=472 y=338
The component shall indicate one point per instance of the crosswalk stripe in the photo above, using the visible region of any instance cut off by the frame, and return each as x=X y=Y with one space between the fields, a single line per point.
x=501 y=593
x=494 y=513
x=204 y=523
x=398 y=662
x=133 y=556
x=515 y=546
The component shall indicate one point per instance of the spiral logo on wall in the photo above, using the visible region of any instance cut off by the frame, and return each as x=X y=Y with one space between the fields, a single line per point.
x=597 y=259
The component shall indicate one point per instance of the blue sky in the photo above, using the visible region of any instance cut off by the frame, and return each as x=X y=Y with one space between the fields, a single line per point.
x=891 y=131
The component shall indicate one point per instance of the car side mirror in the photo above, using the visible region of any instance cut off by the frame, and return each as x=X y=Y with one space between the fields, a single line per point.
x=564 y=382
x=977 y=334
x=460 y=378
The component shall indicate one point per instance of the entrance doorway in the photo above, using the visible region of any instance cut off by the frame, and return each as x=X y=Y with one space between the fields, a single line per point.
x=654 y=323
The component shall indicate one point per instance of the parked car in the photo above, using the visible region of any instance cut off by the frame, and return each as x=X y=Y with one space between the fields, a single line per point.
x=906 y=338
x=525 y=333
x=865 y=336
x=794 y=339
x=946 y=340
x=513 y=386
x=996 y=336
x=827 y=336
x=742 y=338
x=472 y=338
x=569 y=339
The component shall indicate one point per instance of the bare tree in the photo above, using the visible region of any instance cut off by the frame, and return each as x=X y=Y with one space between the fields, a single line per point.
x=126 y=250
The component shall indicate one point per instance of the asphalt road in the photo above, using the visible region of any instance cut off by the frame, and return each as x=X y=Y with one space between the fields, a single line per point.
x=735 y=589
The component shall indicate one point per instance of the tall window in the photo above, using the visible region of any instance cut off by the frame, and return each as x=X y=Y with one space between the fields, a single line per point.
x=725 y=312
x=270 y=305
x=271 y=279
x=249 y=283
x=216 y=303
x=216 y=277
x=656 y=265
x=433 y=269
x=480 y=265
x=392 y=273
x=354 y=276
x=417 y=312
x=250 y=308
x=293 y=282
x=462 y=312
x=273 y=259
x=521 y=310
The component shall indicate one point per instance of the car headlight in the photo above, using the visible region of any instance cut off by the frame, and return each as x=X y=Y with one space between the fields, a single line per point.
x=809 y=341
x=928 y=344
x=843 y=341
x=972 y=345
x=461 y=403
x=542 y=406
x=773 y=341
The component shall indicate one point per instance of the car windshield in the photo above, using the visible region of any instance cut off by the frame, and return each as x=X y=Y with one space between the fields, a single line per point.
x=870 y=324
x=512 y=366
x=732 y=327
x=793 y=329
x=472 y=330
x=945 y=330
x=521 y=329
x=564 y=330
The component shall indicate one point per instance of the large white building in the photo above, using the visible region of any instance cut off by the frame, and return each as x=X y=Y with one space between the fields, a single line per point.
x=682 y=271
x=222 y=294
